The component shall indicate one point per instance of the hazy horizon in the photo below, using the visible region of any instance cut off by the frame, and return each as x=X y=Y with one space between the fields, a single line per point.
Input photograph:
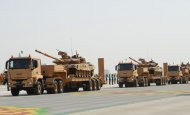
x=113 y=29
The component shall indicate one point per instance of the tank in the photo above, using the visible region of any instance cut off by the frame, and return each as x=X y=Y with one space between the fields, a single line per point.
x=152 y=70
x=75 y=65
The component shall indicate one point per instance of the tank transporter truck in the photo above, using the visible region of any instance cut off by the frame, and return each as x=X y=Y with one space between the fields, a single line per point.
x=127 y=74
x=177 y=73
x=27 y=73
x=150 y=72
x=79 y=73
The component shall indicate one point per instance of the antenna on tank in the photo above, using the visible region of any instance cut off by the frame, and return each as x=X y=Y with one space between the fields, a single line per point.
x=20 y=53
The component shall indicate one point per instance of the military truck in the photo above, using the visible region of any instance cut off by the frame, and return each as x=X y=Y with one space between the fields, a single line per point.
x=177 y=73
x=27 y=73
x=151 y=72
x=127 y=74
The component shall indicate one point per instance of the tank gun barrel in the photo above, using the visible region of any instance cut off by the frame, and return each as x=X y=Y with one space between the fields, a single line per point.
x=47 y=55
x=135 y=61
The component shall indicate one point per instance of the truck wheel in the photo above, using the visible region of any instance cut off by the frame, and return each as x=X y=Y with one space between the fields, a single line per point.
x=76 y=89
x=38 y=89
x=54 y=90
x=14 y=92
x=169 y=82
x=30 y=91
x=135 y=83
x=158 y=82
x=98 y=85
x=187 y=80
x=181 y=80
x=143 y=83
x=49 y=91
x=60 y=88
x=146 y=82
x=120 y=85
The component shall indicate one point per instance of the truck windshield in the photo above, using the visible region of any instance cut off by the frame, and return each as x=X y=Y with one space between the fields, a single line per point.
x=173 y=68
x=122 y=67
x=19 y=63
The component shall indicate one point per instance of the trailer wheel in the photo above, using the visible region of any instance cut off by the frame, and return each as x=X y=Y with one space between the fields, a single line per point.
x=169 y=82
x=148 y=83
x=88 y=86
x=135 y=83
x=143 y=83
x=49 y=91
x=187 y=80
x=181 y=80
x=98 y=85
x=120 y=85
x=38 y=88
x=158 y=82
x=30 y=91
x=15 y=92
x=54 y=90
x=94 y=85
x=60 y=88
x=76 y=89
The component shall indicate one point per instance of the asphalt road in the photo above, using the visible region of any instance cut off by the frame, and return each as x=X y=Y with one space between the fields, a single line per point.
x=109 y=96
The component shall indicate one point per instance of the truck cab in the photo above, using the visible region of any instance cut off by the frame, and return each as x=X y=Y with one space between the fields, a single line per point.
x=174 y=74
x=24 y=73
x=127 y=74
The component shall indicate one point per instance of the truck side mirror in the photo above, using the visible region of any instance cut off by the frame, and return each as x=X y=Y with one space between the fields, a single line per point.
x=6 y=65
x=34 y=64
x=116 y=68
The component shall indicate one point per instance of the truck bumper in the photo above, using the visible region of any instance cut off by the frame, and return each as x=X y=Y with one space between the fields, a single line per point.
x=21 y=84
x=126 y=80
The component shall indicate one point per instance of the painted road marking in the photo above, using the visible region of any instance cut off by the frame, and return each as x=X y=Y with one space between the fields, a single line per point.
x=136 y=93
x=11 y=110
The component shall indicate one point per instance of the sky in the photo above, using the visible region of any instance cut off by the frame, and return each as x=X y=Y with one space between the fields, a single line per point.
x=112 y=29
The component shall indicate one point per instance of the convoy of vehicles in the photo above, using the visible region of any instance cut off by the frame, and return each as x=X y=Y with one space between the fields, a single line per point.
x=69 y=73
